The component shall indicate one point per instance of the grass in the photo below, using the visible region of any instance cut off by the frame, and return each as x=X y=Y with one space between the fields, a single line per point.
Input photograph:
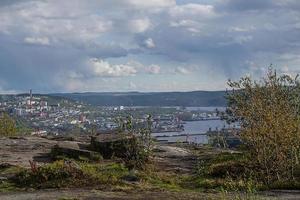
x=70 y=174
x=223 y=171
x=7 y=186
x=231 y=172
x=165 y=181
x=8 y=171
x=105 y=174
x=74 y=173
x=66 y=174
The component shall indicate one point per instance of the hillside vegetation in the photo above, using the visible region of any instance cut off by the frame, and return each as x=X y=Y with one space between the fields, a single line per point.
x=196 y=98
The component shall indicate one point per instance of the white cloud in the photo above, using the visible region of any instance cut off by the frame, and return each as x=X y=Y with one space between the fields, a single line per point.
x=139 y=25
x=183 y=23
x=243 y=39
x=241 y=29
x=149 y=43
x=132 y=85
x=192 y=10
x=152 y=3
x=51 y=19
x=201 y=34
x=153 y=69
x=101 y=68
x=37 y=40
x=192 y=26
x=191 y=17
x=182 y=70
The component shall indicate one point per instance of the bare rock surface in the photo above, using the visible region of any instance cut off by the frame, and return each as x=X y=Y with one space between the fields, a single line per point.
x=19 y=150
x=172 y=151
x=72 y=149
x=173 y=158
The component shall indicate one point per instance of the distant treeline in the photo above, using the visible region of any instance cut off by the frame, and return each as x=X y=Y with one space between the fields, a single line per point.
x=195 y=98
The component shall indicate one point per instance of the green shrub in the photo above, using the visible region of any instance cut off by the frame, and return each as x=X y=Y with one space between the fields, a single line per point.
x=7 y=125
x=229 y=171
x=58 y=174
x=222 y=165
x=227 y=168
x=110 y=174
x=70 y=174
x=138 y=148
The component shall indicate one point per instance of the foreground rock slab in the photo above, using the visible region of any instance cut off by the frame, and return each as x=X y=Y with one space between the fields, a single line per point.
x=110 y=144
x=71 y=149
x=19 y=150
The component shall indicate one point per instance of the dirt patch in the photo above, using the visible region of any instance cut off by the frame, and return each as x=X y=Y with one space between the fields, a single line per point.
x=93 y=194
x=83 y=194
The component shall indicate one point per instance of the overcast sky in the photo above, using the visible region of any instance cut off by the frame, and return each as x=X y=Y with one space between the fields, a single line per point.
x=144 y=45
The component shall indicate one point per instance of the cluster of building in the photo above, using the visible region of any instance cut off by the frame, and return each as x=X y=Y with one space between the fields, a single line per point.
x=44 y=114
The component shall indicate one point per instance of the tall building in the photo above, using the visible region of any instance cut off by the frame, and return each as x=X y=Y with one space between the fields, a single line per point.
x=30 y=100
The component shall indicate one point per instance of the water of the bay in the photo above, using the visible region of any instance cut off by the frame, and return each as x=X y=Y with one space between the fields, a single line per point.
x=193 y=128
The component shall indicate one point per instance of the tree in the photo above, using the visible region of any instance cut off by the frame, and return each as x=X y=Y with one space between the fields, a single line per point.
x=7 y=125
x=268 y=112
x=138 y=146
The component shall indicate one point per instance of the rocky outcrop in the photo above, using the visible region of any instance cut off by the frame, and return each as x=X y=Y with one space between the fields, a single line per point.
x=19 y=150
x=109 y=145
x=71 y=150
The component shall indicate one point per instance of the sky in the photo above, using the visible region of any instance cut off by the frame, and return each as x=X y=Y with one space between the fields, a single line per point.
x=144 y=45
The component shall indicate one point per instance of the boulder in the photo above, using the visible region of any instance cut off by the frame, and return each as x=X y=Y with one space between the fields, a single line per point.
x=72 y=150
x=109 y=145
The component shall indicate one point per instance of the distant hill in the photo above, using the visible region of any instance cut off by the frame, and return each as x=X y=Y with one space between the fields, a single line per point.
x=195 y=98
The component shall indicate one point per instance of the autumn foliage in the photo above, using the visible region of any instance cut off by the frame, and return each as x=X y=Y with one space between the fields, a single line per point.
x=269 y=114
x=7 y=125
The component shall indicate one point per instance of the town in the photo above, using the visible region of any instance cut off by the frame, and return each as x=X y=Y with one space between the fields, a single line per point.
x=51 y=115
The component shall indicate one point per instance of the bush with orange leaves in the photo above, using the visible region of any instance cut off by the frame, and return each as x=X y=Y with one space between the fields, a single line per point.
x=269 y=114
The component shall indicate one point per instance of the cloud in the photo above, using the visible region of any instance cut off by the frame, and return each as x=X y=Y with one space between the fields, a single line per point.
x=101 y=68
x=207 y=39
x=132 y=85
x=153 y=69
x=182 y=70
x=241 y=29
x=149 y=43
x=37 y=40
x=48 y=19
x=192 y=10
x=139 y=25
x=241 y=5
x=152 y=3
x=10 y=2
